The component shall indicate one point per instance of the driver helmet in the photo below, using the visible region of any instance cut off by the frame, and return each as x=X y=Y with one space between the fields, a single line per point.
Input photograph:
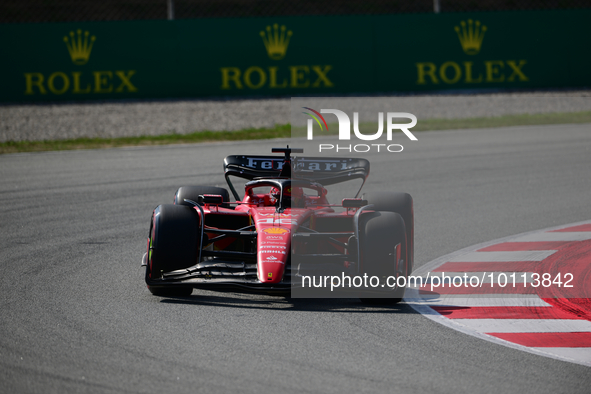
x=292 y=194
x=292 y=191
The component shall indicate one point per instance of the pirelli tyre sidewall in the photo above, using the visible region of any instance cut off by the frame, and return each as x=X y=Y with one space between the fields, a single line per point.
x=193 y=193
x=402 y=204
x=382 y=238
x=173 y=244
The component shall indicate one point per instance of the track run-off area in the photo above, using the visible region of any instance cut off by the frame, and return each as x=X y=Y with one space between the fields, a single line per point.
x=530 y=291
x=77 y=317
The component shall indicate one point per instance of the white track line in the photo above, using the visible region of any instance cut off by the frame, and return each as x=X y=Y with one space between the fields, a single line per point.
x=576 y=353
x=480 y=301
x=525 y=325
x=550 y=237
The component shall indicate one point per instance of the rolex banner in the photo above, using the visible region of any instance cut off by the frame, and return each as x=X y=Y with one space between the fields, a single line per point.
x=295 y=55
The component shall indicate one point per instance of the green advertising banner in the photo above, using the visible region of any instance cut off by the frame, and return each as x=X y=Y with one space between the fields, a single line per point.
x=294 y=56
x=504 y=50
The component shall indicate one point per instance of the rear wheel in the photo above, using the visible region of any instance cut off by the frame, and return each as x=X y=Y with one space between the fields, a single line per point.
x=384 y=253
x=402 y=204
x=193 y=193
x=173 y=244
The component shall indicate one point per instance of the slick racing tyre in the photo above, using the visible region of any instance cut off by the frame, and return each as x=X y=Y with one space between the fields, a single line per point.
x=193 y=193
x=384 y=253
x=173 y=244
x=402 y=204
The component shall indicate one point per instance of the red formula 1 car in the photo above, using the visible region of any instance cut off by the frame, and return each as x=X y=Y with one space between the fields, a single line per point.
x=282 y=234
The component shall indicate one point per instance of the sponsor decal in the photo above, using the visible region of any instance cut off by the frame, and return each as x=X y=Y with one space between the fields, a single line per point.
x=272 y=242
x=264 y=164
x=470 y=36
x=322 y=164
x=276 y=41
x=471 y=70
x=279 y=215
x=272 y=251
x=276 y=230
x=303 y=164
x=79 y=46
x=277 y=221
x=275 y=247
x=271 y=258
x=277 y=237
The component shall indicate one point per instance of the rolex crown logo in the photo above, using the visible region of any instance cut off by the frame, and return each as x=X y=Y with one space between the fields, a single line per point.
x=276 y=41
x=470 y=36
x=79 y=46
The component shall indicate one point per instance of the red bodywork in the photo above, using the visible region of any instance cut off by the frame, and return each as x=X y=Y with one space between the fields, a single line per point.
x=274 y=229
x=283 y=214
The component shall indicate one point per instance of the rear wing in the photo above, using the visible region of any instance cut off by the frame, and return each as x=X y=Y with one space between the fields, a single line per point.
x=330 y=170
x=250 y=167
x=324 y=170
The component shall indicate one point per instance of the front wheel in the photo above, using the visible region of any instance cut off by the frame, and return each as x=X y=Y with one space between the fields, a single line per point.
x=173 y=244
x=402 y=204
x=384 y=254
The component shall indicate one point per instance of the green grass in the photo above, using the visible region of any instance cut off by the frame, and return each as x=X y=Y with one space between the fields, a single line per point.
x=284 y=131
x=279 y=131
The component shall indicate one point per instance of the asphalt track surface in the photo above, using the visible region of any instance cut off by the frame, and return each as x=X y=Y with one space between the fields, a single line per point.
x=76 y=316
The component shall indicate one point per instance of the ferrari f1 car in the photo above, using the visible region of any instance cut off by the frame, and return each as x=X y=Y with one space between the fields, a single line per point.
x=281 y=231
